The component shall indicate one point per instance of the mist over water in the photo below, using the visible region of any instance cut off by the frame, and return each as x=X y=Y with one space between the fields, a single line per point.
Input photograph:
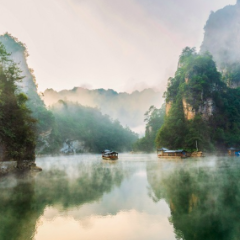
x=137 y=197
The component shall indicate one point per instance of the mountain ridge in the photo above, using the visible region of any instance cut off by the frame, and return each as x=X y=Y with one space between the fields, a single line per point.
x=129 y=108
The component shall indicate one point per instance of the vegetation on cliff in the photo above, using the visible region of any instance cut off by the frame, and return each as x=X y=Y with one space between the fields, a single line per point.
x=154 y=119
x=89 y=126
x=203 y=108
x=28 y=84
x=17 y=127
x=128 y=108
x=63 y=122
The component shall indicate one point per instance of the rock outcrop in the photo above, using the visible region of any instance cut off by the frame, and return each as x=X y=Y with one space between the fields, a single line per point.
x=73 y=146
x=188 y=110
x=168 y=107
x=206 y=109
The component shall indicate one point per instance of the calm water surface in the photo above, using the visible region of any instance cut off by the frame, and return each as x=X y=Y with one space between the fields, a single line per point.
x=139 y=197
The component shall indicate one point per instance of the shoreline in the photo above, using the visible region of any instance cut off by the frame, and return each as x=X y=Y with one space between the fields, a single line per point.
x=8 y=167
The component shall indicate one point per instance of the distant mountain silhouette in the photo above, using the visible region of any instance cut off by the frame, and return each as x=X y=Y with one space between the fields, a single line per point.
x=222 y=35
x=128 y=108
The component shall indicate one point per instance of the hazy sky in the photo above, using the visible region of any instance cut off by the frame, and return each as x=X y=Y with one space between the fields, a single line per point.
x=118 y=44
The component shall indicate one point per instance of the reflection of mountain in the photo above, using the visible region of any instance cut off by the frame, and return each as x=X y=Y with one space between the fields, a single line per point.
x=129 y=109
x=204 y=202
x=22 y=204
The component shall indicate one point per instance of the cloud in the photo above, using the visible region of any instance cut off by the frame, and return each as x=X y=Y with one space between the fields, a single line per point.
x=105 y=43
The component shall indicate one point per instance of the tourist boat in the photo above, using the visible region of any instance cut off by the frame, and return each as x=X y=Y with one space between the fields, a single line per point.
x=109 y=155
x=166 y=153
x=197 y=154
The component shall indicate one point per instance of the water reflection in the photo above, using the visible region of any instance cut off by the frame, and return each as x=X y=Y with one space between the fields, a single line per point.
x=24 y=198
x=204 y=197
x=139 y=197
x=123 y=211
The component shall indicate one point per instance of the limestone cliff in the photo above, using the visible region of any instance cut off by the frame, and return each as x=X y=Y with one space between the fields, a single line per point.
x=188 y=110
x=168 y=107
x=206 y=109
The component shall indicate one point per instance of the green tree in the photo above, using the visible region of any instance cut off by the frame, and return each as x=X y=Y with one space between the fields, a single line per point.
x=89 y=126
x=17 y=136
x=196 y=83
x=154 y=119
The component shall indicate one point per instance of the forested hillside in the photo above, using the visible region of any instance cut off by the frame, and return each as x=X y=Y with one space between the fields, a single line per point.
x=85 y=129
x=18 y=53
x=17 y=126
x=66 y=127
x=202 y=100
x=200 y=107
x=128 y=108
x=154 y=119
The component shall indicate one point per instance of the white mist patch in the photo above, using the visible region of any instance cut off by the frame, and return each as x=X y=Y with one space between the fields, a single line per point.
x=142 y=174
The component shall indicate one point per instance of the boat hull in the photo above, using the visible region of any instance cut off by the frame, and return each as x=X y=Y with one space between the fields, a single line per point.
x=110 y=158
x=175 y=157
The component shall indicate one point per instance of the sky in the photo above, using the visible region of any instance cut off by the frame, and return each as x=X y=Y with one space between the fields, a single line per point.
x=123 y=45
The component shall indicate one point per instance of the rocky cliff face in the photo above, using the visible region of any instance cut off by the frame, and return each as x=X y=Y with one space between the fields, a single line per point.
x=168 y=107
x=73 y=146
x=188 y=110
x=206 y=109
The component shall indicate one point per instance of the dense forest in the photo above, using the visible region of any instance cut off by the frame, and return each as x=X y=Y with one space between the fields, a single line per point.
x=200 y=107
x=18 y=53
x=30 y=124
x=154 y=119
x=128 y=108
x=202 y=100
x=17 y=126
x=85 y=129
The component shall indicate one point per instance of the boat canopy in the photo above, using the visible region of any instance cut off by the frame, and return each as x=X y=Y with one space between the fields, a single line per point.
x=175 y=151
x=163 y=149
x=108 y=152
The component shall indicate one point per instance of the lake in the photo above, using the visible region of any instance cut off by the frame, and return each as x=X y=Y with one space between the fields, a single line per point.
x=138 y=197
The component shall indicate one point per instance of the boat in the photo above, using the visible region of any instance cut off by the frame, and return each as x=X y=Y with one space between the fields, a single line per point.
x=109 y=155
x=166 y=153
x=197 y=154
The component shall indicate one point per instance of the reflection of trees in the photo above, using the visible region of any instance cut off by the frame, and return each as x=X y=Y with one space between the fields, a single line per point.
x=17 y=212
x=204 y=203
x=23 y=204
x=90 y=184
